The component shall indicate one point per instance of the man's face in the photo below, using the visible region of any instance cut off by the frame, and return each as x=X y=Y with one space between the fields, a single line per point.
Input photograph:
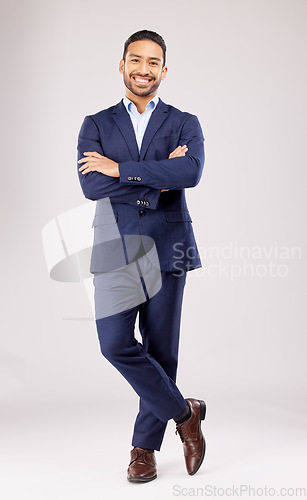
x=143 y=67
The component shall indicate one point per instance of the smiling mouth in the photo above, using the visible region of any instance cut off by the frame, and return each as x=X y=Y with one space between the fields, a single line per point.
x=143 y=82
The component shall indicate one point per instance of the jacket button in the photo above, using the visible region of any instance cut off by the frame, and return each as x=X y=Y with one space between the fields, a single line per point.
x=142 y=213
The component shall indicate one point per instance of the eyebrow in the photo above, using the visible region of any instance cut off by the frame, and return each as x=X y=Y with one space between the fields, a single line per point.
x=136 y=55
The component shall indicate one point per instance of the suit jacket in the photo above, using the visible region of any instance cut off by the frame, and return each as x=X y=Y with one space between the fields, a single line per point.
x=138 y=205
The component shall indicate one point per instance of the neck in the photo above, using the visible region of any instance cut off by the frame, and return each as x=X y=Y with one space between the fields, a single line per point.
x=139 y=101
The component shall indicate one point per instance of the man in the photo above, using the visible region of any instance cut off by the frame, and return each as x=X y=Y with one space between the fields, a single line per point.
x=136 y=158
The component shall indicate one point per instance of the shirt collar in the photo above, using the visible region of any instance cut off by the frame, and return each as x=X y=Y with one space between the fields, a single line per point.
x=131 y=106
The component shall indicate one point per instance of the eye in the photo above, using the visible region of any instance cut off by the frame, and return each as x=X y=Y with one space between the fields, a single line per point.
x=154 y=63
x=134 y=60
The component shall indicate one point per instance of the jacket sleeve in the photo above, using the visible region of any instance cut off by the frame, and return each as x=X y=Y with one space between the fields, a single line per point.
x=173 y=173
x=96 y=185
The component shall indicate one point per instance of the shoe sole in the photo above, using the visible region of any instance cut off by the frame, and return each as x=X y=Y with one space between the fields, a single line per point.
x=141 y=479
x=202 y=415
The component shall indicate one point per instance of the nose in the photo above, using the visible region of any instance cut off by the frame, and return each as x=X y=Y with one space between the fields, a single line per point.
x=143 y=68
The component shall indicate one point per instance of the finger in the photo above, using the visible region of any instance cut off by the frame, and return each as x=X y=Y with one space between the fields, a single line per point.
x=86 y=165
x=173 y=153
x=92 y=159
x=181 y=152
x=90 y=154
x=83 y=167
x=93 y=153
x=86 y=169
x=179 y=148
x=178 y=151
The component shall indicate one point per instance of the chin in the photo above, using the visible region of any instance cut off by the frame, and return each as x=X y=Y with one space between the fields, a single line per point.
x=140 y=93
x=143 y=92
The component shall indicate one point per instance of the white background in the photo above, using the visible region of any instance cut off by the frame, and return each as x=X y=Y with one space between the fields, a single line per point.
x=67 y=415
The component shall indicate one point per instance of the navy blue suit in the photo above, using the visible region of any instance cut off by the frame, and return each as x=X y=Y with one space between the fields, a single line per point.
x=141 y=209
x=142 y=176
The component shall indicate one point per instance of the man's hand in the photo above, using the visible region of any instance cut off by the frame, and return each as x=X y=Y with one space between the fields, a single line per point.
x=179 y=151
x=95 y=162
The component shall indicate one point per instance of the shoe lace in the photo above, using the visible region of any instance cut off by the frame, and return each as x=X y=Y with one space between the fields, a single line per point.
x=180 y=431
x=140 y=453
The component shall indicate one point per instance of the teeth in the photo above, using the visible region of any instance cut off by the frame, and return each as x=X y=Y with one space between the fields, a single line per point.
x=141 y=80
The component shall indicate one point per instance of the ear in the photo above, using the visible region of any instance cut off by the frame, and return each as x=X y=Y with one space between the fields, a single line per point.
x=121 y=66
x=164 y=71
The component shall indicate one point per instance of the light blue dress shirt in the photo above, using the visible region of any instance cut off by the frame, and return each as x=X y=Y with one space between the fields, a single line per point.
x=140 y=120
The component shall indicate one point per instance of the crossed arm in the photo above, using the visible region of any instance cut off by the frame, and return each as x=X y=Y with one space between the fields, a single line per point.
x=95 y=162
x=131 y=181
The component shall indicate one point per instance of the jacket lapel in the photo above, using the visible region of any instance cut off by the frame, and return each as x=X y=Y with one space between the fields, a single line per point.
x=157 y=118
x=125 y=126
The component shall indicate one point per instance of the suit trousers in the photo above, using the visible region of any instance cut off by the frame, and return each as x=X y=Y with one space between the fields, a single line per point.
x=150 y=367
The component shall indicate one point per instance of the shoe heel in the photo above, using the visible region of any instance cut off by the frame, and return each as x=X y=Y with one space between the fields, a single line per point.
x=202 y=409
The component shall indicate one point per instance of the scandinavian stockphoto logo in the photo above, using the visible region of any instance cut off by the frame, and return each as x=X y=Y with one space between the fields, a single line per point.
x=232 y=261
x=118 y=272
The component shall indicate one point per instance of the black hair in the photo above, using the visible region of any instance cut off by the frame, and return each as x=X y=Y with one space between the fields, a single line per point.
x=146 y=35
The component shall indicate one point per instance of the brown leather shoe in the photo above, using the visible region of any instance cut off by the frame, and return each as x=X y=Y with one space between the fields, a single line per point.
x=194 y=444
x=142 y=467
